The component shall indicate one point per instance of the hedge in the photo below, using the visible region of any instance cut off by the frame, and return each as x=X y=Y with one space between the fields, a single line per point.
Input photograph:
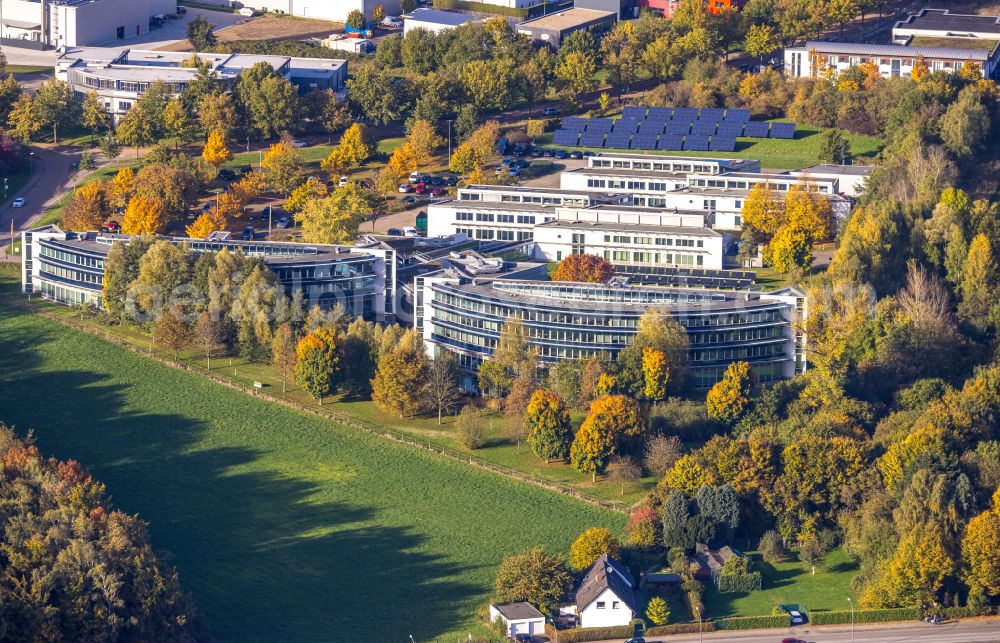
x=579 y=635
x=753 y=622
x=865 y=616
x=749 y=582
x=966 y=612
x=681 y=628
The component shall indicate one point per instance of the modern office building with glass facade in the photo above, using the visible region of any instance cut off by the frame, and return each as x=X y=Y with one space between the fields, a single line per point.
x=68 y=268
x=464 y=313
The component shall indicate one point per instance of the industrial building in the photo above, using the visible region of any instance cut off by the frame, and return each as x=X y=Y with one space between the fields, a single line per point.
x=334 y=10
x=434 y=20
x=48 y=24
x=120 y=76
x=932 y=26
x=553 y=28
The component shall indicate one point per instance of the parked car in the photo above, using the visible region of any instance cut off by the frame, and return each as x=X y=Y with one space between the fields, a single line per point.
x=420 y=189
x=247 y=233
x=208 y=205
x=181 y=11
x=551 y=111
x=406 y=188
x=561 y=154
x=298 y=143
x=451 y=181
x=282 y=223
x=520 y=150
x=436 y=180
x=394 y=232
x=17 y=203
x=392 y=21
x=504 y=162
x=226 y=174
x=437 y=192
x=415 y=177
x=342 y=182
x=797 y=618
x=409 y=199
x=112 y=226
x=409 y=231
x=576 y=154
x=588 y=153
x=535 y=152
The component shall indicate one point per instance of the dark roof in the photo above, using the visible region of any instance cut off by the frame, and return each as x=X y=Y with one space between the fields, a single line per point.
x=713 y=559
x=663 y=577
x=606 y=573
x=945 y=20
x=518 y=611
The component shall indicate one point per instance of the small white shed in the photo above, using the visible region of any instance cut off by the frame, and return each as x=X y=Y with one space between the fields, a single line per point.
x=521 y=618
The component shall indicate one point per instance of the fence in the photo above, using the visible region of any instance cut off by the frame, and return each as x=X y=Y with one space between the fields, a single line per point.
x=341 y=418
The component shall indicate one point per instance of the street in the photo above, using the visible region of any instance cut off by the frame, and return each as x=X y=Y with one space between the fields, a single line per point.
x=966 y=631
x=46 y=185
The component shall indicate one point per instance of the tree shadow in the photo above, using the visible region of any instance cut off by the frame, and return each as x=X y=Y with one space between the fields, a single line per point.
x=268 y=554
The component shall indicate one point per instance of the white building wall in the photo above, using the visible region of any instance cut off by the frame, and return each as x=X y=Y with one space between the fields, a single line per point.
x=614 y=612
x=643 y=248
x=97 y=22
x=22 y=11
x=798 y=64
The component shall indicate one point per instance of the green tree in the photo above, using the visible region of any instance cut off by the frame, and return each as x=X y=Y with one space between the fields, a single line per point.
x=57 y=106
x=10 y=91
x=965 y=125
x=317 y=362
x=533 y=576
x=201 y=34
x=375 y=95
x=24 y=120
x=833 y=147
x=253 y=310
x=400 y=376
x=659 y=331
x=575 y=75
x=591 y=545
x=94 y=116
x=163 y=270
x=268 y=101
x=470 y=427
x=121 y=269
x=356 y=19
x=547 y=424
x=657 y=611
x=418 y=50
x=761 y=41
x=177 y=123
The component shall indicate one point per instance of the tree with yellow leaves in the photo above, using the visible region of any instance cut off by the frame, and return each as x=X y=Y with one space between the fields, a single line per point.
x=401 y=375
x=424 y=141
x=312 y=189
x=688 y=475
x=87 y=209
x=231 y=204
x=915 y=574
x=317 y=362
x=655 y=373
x=144 y=216
x=979 y=282
x=281 y=167
x=402 y=162
x=981 y=551
x=206 y=224
x=215 y=151
x=120 y=188
x=352 y=151
x=762 y=209
x=920 y=70
x=334 y=218
x=591 y=545
x=592 y=447
x=464 y=159
x=729 y=398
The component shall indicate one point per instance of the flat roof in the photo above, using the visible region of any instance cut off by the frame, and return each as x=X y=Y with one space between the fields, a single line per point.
x=497 y=205
x=631 y=227
x=945 y=20
x=523 y=189
x=829 y=168
x=566 y=19
x=953 y=43
x=900 y=51
x=624 y=171
x=665 y=157
x=518 y=611
x=436 y=16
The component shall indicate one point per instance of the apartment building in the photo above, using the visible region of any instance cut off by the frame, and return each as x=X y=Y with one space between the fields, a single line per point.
x=121 y=76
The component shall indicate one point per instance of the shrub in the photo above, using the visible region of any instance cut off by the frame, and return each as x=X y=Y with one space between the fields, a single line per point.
x=661 y=453
x=749 y=582
x=752 y=622
x=968 y=611
x=865 y=616
x=772 y=547
x=580 y=635
x=470 y=427
x=657 y=611
x=686 y=419
x=680 y=628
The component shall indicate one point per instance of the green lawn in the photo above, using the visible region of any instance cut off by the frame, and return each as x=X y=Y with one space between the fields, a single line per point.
x=782 y=154
x=284 y=526
x=787 y=583
x=21 y=70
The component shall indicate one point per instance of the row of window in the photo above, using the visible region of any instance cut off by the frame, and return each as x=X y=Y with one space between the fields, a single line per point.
x=781 y=186
x=499 y=235
x=78 y=276
x=854 y=61
x=622 y=184
x=657 y=258
x=648 y=241
x=68 y=295
x=73 y=257
x=666 y=166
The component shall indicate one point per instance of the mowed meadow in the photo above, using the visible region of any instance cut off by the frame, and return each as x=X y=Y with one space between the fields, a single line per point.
x=283 y=526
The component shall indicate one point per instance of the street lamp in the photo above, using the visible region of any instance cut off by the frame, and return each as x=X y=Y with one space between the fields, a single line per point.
x=852 y=617
x=701 y=634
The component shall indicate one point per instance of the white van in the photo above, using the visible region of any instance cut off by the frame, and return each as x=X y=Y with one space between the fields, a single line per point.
x=415 y=176
x=409 y=231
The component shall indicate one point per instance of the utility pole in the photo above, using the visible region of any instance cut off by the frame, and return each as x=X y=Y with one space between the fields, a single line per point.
x=449 y=134
x=852 y=617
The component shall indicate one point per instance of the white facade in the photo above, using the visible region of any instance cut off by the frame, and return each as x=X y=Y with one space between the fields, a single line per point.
x=335 y=10
x=850 y=178
x=631 y=245
x=815 y=59
x=520 y=618
x=607 y=610
x=434 y=20
x=71 y=23
x=942 y=23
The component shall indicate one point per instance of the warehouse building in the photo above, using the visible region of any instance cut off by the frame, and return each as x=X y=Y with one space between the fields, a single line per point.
x=335 y=10
x=553 y=28
x=48 y=24
x=434 y=20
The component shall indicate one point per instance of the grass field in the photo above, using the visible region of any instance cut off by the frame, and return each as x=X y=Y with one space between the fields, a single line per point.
x=284 y=526
x=790 y=582
x=782 y=154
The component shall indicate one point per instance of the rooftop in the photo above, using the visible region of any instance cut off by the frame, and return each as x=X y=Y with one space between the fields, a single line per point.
x=618 y=171
x=663 y=157
x=901 y=51
x=958 y=24
x=829 y=168
x=566 y=19
x=436 y=16
x=952 y=43
x=604 y=574
x=518 y=611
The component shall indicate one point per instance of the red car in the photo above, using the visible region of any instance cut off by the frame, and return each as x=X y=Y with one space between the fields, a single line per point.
x=792 y=639
x=437 y=192
x=420 y=189
x=112 y=226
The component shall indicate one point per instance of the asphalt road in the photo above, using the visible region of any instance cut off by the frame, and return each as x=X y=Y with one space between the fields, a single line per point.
x=50 y=178
x=967 y=631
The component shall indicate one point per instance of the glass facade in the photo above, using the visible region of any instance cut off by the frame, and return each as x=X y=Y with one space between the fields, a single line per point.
x=721 y=328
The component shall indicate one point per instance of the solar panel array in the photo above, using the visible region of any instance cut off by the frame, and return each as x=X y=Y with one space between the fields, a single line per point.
x=669 y=128
x=697 y=277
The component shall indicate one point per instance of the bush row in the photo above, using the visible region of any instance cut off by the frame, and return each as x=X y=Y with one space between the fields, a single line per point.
x=967 y=612
x=865 y=616
x=749 y=582
x=752 y=622
x=681 y=628
x=580 y=635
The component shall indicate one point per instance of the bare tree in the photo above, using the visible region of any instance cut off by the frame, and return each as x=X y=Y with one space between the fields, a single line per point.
x=624 y=469
x=207 y=335
x=441 y=389
x=925 y=300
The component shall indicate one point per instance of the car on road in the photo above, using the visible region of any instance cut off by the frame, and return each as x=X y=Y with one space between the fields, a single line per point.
x=298 y=143
x=282 y=223
x=797 y=618
x=409 y=199
x=394 y=232
x=405 y=188
x=17 y=203
x=247 y=233
x=551 y=111
x=792 y=639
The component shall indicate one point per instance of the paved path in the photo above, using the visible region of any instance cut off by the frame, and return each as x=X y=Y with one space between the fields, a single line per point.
x=985 y=630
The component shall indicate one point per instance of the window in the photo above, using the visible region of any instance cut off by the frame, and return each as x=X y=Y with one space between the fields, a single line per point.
x=614 y=605
x=600 y=605
x=463 y=216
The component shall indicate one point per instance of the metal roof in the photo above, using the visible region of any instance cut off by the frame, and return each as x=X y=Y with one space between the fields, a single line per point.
x=945 y=20
x=436 y=16
x=901 y=51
